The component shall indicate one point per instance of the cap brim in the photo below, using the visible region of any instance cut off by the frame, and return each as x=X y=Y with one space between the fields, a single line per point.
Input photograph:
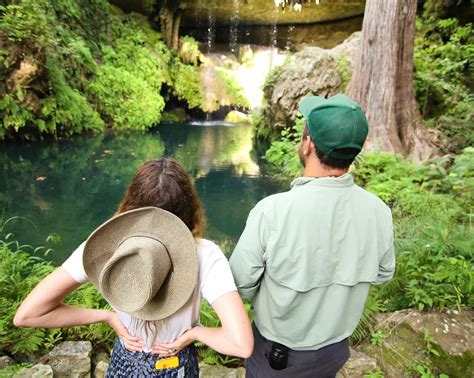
x=307 y=104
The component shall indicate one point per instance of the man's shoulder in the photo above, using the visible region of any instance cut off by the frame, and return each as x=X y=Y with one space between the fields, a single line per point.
x=269 y=201
x=372 y=198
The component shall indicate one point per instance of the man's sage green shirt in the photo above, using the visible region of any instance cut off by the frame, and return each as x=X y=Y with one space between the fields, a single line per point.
x=307 y=257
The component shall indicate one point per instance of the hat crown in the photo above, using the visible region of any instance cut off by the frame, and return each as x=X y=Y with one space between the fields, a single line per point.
x=135 y=272
x=337 y=125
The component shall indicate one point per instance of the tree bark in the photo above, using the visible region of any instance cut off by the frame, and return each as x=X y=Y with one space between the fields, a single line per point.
x=170 y=19
x=175 y=31
x=382 y=81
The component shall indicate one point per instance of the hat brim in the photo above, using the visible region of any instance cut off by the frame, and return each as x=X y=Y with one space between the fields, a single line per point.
x=175 y=236
x=308 y=104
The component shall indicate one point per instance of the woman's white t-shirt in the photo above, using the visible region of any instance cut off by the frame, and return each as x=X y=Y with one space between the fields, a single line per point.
x=215 y=280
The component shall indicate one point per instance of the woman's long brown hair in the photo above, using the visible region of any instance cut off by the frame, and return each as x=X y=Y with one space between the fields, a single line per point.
x=164 y=183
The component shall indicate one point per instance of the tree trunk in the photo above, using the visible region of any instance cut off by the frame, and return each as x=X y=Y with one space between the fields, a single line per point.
x=382 y=81
x=175 y=31
x=170 y=19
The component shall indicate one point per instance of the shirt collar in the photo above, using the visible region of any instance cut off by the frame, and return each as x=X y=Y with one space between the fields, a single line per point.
x=344 y=180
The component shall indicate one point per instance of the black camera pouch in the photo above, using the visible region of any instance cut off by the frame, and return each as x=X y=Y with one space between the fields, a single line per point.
x=278 y=358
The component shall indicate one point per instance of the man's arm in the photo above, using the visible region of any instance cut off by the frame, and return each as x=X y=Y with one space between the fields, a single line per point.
x=248 y=259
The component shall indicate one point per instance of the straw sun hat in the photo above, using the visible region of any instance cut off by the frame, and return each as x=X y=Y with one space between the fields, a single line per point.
x=144 y=262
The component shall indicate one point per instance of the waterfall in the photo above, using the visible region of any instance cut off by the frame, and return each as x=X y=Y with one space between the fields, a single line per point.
x=289 y=42
x=211 y=31
x=234 y=28
x=273 y=36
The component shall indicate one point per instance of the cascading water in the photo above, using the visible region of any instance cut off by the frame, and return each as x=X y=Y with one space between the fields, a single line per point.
x=211 y=31
x=234 y=28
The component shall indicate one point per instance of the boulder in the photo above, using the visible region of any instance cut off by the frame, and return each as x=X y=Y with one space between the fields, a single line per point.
x=323 y=72
x=442 y=340
x=101 y=369
x=6 y=361
x=357 y=366
x=36 y=371
x=71 y=359
x=452 y=330
x=101 y=364
x=235 y=116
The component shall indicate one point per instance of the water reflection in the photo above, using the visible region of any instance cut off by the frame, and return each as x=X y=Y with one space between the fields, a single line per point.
x=70 y=187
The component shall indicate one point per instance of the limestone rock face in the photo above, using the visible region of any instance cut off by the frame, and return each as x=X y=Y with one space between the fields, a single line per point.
x=71 y=359
x=255 y=12
x=323 y=72
x=36 y=371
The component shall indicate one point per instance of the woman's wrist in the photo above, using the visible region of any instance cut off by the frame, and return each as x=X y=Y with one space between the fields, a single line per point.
x=195 y=332
x=106 y=316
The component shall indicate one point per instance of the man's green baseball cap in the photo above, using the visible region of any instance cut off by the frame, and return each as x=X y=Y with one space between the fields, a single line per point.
x=337 y=125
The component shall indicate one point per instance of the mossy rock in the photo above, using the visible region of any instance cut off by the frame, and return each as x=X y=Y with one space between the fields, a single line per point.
x=441 y=341
x=402 y=348
x=456 y=366
x=238 y=117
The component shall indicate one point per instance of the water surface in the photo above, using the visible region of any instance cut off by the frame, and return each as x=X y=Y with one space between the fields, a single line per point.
x=70 y=187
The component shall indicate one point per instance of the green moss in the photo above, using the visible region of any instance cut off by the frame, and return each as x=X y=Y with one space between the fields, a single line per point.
x=402 y=347
x=454 y=366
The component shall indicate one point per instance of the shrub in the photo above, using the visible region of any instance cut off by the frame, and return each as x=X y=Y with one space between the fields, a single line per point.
x=20 y=271
x=443 y=60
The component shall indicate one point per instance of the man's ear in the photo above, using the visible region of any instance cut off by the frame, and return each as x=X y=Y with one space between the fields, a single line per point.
x=311 y=145
x=308 y=146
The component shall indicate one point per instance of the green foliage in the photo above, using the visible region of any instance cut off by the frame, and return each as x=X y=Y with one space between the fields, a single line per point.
x=233 y=87
x=432 y=209
x=443 y=60
x=187 y=84
x=19 y=273
x=373 y=305
x=189 y=52
x=12 y=370
x=344 y=71
x=129 y=102
x=90 y=67
x=379 y=337
x=283 y=154
x=422 y=370
x=27 y=20
x=67 y=106
x=377 y=373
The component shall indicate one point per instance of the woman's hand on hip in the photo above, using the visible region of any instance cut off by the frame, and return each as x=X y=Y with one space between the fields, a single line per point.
x=131 y=343
x=171 y=349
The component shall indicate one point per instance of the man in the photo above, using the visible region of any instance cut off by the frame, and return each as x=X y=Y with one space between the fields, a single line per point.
x=307 y=257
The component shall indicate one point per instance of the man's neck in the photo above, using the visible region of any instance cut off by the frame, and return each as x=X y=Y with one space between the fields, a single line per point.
x=317 y=170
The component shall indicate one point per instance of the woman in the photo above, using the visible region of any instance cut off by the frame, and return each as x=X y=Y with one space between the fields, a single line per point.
x=151 y=266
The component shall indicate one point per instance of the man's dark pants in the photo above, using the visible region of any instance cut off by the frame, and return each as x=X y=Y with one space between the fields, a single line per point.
x=321 y=363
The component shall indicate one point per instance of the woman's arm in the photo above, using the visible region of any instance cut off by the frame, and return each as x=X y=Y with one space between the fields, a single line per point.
x=43 y=307
x=233 y=338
